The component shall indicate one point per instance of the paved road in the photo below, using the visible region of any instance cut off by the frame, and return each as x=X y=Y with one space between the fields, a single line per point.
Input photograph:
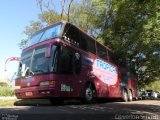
x=136 y=110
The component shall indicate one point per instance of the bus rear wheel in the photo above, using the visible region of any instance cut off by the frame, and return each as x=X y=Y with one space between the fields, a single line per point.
x=125 y=95
x=89 y=94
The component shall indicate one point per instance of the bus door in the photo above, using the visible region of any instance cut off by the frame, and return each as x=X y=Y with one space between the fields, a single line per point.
x=69 y=67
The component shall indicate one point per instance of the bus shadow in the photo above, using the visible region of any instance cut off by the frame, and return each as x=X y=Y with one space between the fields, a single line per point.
x=46 y=102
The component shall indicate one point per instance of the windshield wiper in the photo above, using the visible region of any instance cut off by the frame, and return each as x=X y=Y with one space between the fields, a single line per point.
x=38 y=71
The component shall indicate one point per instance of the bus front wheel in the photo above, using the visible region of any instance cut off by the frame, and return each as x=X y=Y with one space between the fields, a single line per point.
x=89 y=94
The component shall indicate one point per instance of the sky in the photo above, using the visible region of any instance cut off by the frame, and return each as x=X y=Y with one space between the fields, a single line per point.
x=15 y=15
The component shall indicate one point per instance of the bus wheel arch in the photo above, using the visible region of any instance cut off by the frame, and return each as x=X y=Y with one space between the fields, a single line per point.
x=89 y=94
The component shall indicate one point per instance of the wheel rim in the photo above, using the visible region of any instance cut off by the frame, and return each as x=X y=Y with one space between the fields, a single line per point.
x=89 y=94
x=130 y=96
x=125 y=95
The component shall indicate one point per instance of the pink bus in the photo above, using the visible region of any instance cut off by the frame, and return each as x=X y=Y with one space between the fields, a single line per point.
x=64 y=62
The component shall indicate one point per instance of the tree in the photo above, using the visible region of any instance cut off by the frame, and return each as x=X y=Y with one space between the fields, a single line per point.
x=47 y=17
x=29 y=30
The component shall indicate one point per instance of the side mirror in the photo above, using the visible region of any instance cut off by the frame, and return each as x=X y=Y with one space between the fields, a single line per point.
x=59 y=47
x=77 y=63
x=24 y=70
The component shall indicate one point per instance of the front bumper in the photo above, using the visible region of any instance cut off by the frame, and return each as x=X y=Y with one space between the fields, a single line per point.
x=36 y=92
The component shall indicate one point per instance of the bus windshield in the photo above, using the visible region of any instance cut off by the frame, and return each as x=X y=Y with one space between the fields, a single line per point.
x=46 y=34
x=35 y=62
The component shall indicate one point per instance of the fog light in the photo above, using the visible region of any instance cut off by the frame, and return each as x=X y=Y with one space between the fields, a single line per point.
x=45 y=92
x=42 y=92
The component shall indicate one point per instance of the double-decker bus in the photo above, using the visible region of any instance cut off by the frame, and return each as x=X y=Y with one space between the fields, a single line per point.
x=63 y=62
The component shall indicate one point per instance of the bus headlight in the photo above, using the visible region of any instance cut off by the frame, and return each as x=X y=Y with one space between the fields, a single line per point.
x=45 y=83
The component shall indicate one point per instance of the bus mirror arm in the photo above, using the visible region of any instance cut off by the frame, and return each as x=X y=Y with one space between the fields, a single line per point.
x=59 y=47
x=24 y=72
x=48 y=51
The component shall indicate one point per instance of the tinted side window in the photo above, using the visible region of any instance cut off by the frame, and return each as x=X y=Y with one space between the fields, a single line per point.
x=91 y=45
x=110 y=56
x=87 y=44
x=113 y=58
x=101 y=51
x=83 y=43
x=65 y=61
x=71 y=34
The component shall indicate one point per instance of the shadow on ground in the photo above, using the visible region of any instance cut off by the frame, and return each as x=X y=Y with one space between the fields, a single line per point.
x=71 y=110
x=46 y=102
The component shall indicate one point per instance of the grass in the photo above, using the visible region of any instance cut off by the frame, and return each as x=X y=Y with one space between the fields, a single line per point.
x=6 y=91
x=8 y=102
x=7 y=96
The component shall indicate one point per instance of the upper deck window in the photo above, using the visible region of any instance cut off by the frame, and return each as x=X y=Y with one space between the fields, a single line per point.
x=46 y=34
x=101 y=51
x=71 y=34
x=87 y=43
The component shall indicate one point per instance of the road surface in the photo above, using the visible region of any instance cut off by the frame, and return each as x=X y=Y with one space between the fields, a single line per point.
x=136 y=110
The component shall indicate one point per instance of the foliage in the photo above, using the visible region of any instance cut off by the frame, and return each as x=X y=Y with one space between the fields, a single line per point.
x=6 y=91
x=153 y=86
x=7 y=102
x=134 y=35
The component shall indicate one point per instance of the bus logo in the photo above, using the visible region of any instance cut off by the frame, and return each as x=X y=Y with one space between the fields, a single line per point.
x=106 y=72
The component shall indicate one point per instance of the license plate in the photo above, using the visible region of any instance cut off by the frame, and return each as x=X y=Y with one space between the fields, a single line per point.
x=29 y=93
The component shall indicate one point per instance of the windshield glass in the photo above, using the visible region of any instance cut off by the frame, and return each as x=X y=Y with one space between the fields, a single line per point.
x=40 y=64
x=25 y=62
x=36 y=62
x=46 y=34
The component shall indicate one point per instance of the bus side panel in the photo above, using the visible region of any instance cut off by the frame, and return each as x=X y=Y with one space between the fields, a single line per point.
x=133 y=86
x=115 y=91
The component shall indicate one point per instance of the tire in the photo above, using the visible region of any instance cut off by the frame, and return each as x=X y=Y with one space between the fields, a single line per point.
x=136 y=98
x=125 y=95
x=130 y=96
x=89 y=94
x=56 y=101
